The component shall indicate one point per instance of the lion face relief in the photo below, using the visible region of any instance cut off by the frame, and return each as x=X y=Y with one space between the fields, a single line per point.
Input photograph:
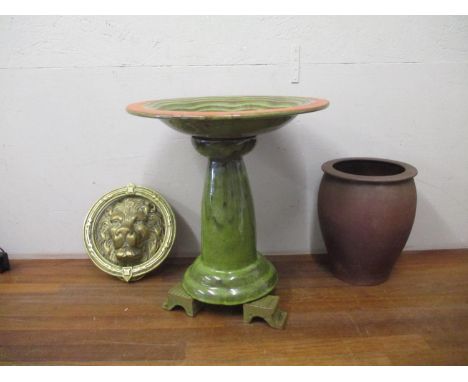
x=130 y=231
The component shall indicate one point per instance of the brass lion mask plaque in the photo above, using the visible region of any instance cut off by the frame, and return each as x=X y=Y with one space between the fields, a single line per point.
x=129 y=232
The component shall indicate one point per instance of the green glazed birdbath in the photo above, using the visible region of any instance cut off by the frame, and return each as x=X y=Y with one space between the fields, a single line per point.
x=229 y=270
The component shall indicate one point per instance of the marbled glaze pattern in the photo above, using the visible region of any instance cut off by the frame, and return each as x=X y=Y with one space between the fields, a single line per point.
x=227 y=117
x=227 y=104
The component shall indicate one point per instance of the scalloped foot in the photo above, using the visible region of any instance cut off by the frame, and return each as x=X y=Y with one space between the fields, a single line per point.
x=267 y=309
x=177 y=296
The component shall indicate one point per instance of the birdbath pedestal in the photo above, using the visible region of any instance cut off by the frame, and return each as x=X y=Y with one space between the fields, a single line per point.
x=229 y=269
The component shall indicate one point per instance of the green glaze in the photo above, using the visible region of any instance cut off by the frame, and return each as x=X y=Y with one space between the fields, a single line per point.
x=268 y=309
x=228 y=220
x=227 y=117
x=177 y=296
x=226 y=128
x=229 y=270
x=231 y=103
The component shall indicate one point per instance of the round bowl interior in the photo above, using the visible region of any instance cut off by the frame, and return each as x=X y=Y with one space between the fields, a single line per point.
x=227 y=104
x=369 y=169
x=222 y=107
x=227 y=117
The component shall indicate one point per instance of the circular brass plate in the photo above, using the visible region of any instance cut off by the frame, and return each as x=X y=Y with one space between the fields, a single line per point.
x=129 y=232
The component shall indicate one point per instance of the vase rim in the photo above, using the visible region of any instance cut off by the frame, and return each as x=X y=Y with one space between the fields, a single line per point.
x=405 y=170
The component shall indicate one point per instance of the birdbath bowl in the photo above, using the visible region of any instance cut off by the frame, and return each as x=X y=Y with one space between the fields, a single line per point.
x=229 y=270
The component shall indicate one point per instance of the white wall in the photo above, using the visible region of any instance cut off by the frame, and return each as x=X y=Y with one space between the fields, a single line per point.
x=398 y=88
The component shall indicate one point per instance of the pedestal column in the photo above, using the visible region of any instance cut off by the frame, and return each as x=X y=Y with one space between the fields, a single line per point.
x=229 y=270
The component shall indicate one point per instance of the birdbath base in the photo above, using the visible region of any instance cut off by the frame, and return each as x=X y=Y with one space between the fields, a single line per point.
x=177 y=296
x=229 y=270
x=266 y=308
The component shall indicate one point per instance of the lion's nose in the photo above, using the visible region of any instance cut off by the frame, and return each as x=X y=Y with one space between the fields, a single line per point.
x=123 y=231
x=122 y=235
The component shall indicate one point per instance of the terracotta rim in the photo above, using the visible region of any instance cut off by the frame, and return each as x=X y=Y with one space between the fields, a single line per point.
x=407 y=173
x=311 y=104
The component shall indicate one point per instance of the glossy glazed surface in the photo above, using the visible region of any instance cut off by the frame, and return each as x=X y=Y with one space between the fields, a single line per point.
x=227 y=117
x=229 y=271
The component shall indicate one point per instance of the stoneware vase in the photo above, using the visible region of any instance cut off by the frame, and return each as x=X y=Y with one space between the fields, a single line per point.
x=366 y=209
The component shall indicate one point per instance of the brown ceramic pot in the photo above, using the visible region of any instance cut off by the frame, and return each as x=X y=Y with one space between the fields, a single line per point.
x=366 y=209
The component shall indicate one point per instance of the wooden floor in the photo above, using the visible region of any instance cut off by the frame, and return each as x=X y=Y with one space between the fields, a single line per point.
x=69 y=312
